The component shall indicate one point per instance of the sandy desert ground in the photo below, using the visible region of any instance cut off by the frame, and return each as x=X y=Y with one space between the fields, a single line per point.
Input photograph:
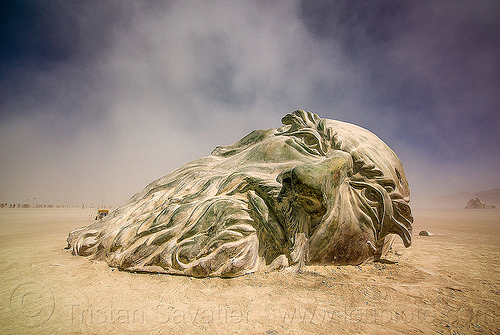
x=445 y=284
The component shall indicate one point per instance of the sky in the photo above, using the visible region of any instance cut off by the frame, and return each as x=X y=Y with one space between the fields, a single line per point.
x=99 y=98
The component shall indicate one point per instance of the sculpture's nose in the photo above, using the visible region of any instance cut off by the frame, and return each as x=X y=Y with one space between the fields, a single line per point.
x=311 y=184
x=319 y=177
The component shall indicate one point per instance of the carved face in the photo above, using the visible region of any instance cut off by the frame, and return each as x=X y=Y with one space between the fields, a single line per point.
x=314 y=191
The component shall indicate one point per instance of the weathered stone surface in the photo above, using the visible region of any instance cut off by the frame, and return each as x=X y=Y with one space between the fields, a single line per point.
x=425 y=233
x=313 y=191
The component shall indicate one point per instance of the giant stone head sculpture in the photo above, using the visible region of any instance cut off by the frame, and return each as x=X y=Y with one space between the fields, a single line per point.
x=313 y=191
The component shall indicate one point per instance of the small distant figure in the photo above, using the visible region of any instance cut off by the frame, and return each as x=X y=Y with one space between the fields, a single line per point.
x=101 y=213
x=478 y=204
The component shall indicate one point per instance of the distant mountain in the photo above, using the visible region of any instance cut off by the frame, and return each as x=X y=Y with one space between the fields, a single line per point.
x=460 y=199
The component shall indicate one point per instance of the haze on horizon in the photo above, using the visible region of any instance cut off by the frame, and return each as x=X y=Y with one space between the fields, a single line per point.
x=99 y=98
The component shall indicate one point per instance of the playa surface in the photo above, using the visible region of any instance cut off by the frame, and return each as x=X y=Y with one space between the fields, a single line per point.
x=448 y=283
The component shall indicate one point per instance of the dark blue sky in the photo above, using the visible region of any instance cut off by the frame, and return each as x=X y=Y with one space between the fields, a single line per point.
x=99 y=98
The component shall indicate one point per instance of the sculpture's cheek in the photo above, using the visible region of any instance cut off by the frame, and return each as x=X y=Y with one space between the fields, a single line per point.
x=346 y=234
x=342 y=242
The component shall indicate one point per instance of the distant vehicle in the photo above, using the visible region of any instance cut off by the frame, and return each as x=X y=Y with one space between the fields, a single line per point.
x=101 y=213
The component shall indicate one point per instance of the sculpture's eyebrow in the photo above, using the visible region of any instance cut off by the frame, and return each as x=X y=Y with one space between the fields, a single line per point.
x=386 y=182
x=309 y=132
